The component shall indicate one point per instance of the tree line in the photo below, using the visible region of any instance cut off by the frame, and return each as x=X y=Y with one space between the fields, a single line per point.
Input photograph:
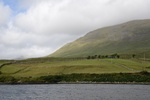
x=107 y=56
x=103 y=56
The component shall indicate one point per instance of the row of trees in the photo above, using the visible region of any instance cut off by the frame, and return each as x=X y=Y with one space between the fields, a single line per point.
x=103 y=56
x=107 y=56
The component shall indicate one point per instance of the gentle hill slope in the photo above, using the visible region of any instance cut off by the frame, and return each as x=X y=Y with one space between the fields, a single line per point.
x=44 y=67
x=128 y=38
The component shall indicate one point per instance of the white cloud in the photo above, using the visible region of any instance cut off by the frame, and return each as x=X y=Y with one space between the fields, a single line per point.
x=76 y=17
x=48 y=24
x=5 y=13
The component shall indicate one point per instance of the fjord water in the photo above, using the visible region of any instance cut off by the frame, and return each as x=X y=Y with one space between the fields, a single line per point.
x=75 y=92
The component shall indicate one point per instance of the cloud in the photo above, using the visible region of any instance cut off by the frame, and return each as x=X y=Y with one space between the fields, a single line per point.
x=5 y=12
x=46 y=25
x=75 y=17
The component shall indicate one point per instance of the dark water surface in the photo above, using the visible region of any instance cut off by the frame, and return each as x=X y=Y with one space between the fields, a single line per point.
x=75 y=92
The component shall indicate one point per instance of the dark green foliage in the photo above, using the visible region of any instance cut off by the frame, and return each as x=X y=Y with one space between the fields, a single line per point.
x=8 y=79
x=116 y=77
x=133 y=56
x=95 y=56
x=51 y=79
x=114 y=55
x=104 y=56
x=144 y=73
x=89 y=57
x=99 y=56
x=118 y=56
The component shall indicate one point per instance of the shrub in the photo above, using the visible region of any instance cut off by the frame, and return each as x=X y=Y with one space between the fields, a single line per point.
x=144 y=73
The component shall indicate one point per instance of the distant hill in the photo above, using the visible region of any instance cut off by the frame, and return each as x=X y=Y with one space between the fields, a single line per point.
x=125 y=39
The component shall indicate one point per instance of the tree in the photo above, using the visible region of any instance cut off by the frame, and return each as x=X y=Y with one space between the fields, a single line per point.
x=115 y=55
x=89 y=57
x=99 y=56
x=106 y=56
x=118 y=56
x=133 y=56
x=102 y=56
x=95 y=56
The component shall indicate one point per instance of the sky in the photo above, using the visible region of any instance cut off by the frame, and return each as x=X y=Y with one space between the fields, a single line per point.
x=37 y=28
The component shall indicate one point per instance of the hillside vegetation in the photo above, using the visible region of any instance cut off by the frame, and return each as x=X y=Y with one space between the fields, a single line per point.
x=125 y=39
x=77 y=70
x=44 y=67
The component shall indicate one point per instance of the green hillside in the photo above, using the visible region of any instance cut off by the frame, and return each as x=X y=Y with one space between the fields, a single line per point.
x=44 y=67
x=125 y=39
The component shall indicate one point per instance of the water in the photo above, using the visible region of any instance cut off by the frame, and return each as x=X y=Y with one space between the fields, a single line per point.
x=75 y=92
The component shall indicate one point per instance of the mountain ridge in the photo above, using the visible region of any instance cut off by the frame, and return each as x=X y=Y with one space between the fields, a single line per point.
x=126 y=38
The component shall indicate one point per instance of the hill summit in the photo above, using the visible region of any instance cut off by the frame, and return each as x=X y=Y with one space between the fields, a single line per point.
x=132 y=37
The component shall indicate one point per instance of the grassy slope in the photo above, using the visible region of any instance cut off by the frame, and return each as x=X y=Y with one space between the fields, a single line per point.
x=128 y=38
x=32 y=68
x=4 y=61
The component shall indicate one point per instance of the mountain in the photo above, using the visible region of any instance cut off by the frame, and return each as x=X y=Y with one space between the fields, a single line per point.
x=132 y=37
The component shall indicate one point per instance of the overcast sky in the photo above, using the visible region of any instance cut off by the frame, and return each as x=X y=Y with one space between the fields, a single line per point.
x=34 y=28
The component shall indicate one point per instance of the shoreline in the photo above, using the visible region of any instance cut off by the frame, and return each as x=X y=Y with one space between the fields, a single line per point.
x=140 y=83
x=115 y=83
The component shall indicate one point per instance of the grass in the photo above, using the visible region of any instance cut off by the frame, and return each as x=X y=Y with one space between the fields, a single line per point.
x=44 y=67
x=4 y=61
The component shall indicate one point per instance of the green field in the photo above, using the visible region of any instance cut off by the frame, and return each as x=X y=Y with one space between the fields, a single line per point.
x=44 y=67
x=4 y=61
